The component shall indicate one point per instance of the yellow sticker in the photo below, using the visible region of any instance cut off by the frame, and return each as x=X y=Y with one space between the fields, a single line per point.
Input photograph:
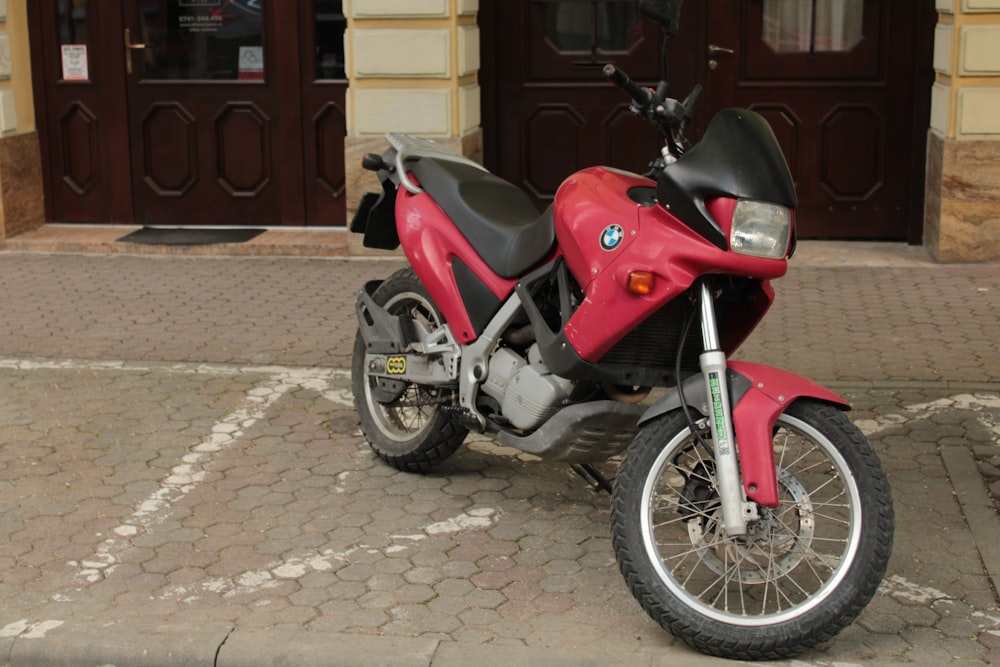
x=395 y=365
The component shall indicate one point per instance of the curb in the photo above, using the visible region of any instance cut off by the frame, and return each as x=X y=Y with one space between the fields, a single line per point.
x=90 y=644
x=135 y=645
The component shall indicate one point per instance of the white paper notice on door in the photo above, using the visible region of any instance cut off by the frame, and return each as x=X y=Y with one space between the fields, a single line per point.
x=251 y=63
x=74 y=62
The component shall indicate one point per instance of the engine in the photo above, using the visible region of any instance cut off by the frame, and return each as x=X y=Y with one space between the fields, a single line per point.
x=526 y=392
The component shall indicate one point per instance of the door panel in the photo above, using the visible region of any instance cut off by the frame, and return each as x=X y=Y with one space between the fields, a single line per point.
x=324 y=111
x=83 y=127
x=199 y=156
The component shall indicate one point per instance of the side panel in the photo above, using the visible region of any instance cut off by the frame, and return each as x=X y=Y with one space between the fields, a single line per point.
x=588 y=207
x=430 y=242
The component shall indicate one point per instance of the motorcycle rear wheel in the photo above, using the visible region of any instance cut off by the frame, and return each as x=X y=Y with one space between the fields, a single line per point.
x=411 y=432
x=803 y=572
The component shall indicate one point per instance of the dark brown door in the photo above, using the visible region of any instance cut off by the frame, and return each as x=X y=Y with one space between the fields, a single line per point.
x=844 y=83
x=191 y=112
x=206 y=112
x=81 y=109
x=548 y=110
x=324 y=111
x=836 y=80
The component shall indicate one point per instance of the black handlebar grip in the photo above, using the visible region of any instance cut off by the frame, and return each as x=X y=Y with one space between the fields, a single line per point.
x=641 y=96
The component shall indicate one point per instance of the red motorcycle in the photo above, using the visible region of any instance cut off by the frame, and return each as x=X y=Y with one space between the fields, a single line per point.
x=749 y=516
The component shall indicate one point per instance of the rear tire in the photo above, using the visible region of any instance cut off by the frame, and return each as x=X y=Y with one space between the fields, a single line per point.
x=411 y=432
x=804 y=571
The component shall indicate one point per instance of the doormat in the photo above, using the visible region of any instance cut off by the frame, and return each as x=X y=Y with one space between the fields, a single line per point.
x=187 y=236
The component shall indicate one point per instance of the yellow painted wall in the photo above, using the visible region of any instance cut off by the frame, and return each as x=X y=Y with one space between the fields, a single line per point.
x=413 y=66
x=16 y=27
x=966 y=94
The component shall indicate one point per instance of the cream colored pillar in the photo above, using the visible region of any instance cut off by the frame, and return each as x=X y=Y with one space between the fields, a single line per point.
x=413 y=67
x=962 y=216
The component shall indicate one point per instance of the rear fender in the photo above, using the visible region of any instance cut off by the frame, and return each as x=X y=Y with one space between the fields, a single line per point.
x=758 y=394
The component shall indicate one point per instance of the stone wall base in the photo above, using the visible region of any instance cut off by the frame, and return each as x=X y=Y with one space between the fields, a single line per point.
x=962 y=209
x=22 y=203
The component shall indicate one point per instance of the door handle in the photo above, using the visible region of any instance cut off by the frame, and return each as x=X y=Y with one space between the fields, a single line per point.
x=715 y=49
x=130 y=47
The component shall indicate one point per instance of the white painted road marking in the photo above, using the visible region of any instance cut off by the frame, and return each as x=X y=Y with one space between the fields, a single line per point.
x=978 y=403
x=299 y=565
x=26 y=630
x=186 y=476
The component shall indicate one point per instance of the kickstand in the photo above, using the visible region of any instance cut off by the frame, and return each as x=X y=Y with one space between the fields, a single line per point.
x=592 y=474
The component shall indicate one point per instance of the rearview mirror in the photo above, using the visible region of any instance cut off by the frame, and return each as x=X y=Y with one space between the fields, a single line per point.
x=665 y=12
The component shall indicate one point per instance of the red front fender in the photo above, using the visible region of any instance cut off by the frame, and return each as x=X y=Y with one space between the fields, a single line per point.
x=764 y=393
x=771 y=391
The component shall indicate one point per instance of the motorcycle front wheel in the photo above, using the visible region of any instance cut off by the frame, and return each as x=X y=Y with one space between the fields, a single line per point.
x=407 y=429
x=803 y=571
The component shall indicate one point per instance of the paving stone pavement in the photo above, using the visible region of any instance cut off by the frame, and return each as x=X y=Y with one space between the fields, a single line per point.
x=183 y=482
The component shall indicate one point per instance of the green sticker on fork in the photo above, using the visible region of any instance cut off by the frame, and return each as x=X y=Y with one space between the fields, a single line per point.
x=719 y=414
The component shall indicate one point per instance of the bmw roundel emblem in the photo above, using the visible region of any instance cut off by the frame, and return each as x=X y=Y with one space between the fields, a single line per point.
x=612 y=237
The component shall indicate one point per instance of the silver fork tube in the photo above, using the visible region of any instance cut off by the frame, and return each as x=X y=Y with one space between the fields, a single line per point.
x=727 y=469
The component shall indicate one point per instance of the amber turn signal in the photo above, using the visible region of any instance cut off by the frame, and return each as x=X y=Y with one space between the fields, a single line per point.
x=640 y=282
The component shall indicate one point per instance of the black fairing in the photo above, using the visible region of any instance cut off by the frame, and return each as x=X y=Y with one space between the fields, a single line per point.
x=738 y=157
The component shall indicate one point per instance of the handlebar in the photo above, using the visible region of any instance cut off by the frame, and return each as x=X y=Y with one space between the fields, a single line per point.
x=642 y=97
x=668 y=113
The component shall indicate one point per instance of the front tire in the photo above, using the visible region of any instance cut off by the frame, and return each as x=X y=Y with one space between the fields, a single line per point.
x=410 y=432
x=803 y=572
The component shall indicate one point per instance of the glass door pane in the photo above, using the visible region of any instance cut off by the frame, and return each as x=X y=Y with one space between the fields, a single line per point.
x=201 y=39
x=816 y=26
x=330 y=23
x=592 y=26
x=74 y=38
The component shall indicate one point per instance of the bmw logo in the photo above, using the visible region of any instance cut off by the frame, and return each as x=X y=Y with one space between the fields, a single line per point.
x=612 y=237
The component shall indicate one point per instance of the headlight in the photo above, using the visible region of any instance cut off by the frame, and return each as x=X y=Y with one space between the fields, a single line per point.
x=760 y=229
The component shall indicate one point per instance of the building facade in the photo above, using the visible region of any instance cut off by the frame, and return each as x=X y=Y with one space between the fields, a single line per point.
x=239 y=112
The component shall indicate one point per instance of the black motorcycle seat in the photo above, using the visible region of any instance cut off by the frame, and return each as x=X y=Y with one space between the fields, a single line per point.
x=496 y=218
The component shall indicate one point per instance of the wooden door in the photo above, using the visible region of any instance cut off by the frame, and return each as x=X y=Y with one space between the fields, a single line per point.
x=206 y=112
x=324 y=111
x=191 y=112
x=81 y=109
x=844 y=83
x=547 y=108
x=837 y=80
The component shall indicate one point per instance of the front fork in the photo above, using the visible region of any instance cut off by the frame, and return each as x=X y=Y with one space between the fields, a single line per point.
x=736 y=510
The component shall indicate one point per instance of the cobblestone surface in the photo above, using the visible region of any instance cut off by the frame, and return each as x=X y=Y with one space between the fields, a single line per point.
x=178 y=447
